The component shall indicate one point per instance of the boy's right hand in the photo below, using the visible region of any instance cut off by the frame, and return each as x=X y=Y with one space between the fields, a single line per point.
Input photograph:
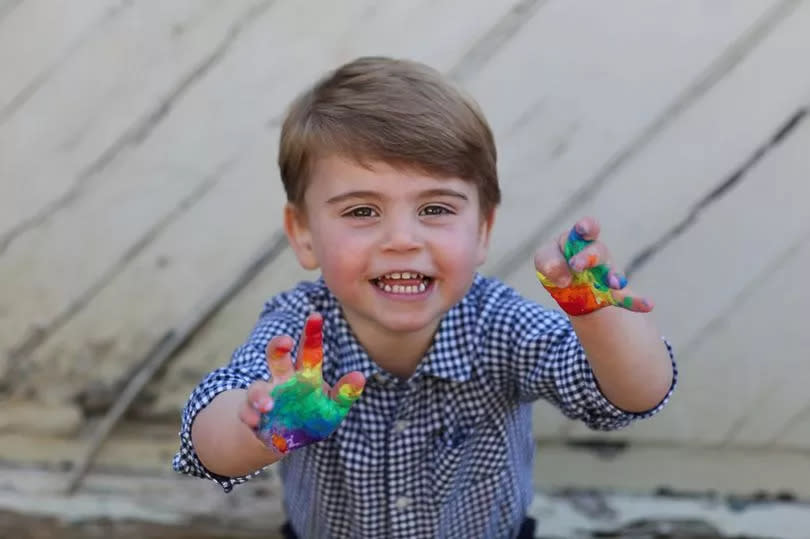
x=297 y=408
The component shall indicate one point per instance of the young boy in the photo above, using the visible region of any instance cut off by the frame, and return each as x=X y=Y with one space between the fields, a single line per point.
x=420 y=425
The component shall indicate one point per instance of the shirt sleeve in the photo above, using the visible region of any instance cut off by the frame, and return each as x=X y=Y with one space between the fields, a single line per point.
x=552 y=365
x=248 y=363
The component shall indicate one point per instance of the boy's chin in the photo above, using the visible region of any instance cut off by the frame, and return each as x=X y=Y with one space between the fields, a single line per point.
x=406 y=323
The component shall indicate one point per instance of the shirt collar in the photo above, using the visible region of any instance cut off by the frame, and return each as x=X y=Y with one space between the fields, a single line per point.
x=349 y=353
x=451 y=354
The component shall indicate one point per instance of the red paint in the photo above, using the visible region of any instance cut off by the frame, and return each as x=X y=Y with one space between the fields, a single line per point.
x=280 y=351
x=313 y=335
x=576 y=299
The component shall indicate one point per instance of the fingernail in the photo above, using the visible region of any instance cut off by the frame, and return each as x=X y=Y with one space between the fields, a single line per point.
x=264 y=404
x=577 y=263
x=617 y=281
x=314 y=326
x=280 y=351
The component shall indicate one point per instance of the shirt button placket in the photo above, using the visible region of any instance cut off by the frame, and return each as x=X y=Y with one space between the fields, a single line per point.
x=400 y=472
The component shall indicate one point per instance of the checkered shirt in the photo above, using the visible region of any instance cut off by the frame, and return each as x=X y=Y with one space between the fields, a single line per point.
x=446 y=453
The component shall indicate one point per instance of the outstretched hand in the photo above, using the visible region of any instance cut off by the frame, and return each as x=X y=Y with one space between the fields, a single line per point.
x=297 y=408
x=577 y=274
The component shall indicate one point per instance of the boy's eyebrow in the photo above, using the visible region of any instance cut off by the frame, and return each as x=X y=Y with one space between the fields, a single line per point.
x=353 y=194
x=439 y=191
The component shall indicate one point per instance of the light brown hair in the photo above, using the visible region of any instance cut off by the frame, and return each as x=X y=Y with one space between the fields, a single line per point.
x=400 y=112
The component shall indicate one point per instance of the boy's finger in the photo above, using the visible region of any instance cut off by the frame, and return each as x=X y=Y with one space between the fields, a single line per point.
x=625 y=299
x=616 y=280
x=580 y=236
x=591 y=256
x=348 y=389
x=587 y=228
x=279 y=360
x=550 y=262
x=249 y=416
x=310 y=352
x=258 y=397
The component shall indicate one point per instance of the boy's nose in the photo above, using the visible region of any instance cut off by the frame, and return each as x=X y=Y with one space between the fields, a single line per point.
x=401 y=235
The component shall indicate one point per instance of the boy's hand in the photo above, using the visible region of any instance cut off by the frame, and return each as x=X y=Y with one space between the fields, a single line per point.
x=576 y=272
x=297 y=408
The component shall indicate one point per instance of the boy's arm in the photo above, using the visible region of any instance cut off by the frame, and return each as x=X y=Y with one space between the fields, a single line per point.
x=248 y=415
x=631 y=364
x=628 y=358
x=223 y=443
x=204 y=443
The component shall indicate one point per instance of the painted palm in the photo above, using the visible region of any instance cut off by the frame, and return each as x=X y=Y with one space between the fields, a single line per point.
x=590 y=288
x=304 y=410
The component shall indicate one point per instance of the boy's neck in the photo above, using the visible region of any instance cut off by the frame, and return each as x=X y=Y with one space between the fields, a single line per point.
x=396 y=353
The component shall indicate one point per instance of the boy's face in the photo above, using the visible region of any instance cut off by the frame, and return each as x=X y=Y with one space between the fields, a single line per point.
x=397 y=248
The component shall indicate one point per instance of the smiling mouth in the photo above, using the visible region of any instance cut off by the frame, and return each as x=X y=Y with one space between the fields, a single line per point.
x=403 y=282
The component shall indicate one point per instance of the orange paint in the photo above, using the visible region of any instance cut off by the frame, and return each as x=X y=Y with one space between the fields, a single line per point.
x=280 y=443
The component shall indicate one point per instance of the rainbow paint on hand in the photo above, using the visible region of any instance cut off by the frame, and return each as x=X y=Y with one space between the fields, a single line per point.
x=590 y=288
x=303 y=413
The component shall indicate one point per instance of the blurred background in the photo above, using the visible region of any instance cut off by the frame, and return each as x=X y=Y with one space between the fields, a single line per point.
x=140 y=233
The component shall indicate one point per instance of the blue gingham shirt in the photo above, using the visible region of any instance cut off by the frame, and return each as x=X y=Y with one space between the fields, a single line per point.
x=446 y=453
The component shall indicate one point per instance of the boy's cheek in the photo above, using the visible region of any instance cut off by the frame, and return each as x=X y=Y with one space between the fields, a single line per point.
x=482 y=251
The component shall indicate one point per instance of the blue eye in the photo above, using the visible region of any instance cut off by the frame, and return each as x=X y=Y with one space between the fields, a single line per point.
x=361 y=212
x=436 y=210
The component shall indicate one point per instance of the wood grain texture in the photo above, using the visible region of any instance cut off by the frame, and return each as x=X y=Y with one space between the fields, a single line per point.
x=36 y=39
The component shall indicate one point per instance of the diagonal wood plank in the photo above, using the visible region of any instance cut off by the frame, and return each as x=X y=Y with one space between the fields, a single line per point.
x=196 y=37
x=36 y=38
x=723 y=372
x=557 y=130
x=701 y=147
x=704 y=144
x=578 y=101
x=135 y=207
x=759 y=354
x=795 y=432
x=213 y=345
x=106 y=97
x=7 y=6
x=223 y=227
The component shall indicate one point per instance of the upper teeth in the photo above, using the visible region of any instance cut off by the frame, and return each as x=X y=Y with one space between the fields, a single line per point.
x=403 y=275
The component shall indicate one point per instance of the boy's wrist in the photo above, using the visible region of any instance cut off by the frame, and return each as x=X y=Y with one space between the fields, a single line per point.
x=223 y=443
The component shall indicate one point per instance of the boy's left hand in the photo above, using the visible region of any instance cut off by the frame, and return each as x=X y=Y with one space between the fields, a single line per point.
x=576 y=272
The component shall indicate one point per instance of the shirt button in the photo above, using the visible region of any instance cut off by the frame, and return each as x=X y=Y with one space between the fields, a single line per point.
x=402 y=502
x=400 y=426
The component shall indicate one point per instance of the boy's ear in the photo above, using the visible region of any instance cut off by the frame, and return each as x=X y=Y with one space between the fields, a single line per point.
x=483 y=236
x=299 y=236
